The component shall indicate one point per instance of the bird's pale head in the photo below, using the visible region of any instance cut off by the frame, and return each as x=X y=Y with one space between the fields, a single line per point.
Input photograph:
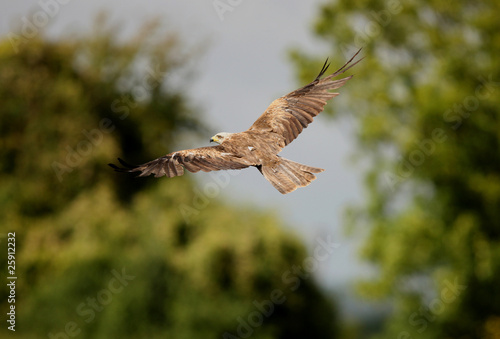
x=220 y=137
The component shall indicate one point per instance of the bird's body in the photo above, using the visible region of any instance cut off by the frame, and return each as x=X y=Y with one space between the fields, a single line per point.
x=258 y=146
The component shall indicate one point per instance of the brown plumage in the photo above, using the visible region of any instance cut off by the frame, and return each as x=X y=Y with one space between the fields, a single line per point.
x=258 y=146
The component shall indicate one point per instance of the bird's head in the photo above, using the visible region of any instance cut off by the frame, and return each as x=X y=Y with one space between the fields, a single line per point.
x=220 y=137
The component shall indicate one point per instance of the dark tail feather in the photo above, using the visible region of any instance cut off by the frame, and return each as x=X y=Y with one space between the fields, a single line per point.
x=288 y=175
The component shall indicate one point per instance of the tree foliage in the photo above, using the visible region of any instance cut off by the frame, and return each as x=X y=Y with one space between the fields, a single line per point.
x=426 y=109
x=103 y=255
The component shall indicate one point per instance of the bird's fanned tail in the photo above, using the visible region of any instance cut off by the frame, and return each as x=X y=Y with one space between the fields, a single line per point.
x=288 y=175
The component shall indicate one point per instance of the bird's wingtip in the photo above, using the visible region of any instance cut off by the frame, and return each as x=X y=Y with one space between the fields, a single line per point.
x=126 y=166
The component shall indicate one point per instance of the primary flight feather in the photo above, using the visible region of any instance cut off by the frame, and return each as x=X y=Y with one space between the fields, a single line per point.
x=258 y=146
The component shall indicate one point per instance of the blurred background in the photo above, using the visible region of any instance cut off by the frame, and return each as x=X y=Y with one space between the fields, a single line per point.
x=398 y=238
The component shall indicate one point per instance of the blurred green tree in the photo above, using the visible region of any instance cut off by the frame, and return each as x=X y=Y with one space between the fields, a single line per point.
x=102 y=255
x=425 y=111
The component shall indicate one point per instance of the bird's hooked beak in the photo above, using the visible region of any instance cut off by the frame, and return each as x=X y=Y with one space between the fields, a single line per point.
x=212 y=140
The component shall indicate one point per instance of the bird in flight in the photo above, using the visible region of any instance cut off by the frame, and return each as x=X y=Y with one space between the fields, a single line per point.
x=258 y=146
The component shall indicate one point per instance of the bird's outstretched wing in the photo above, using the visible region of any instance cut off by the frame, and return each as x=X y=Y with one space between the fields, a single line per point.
x=206 y=159
x=288 y=115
